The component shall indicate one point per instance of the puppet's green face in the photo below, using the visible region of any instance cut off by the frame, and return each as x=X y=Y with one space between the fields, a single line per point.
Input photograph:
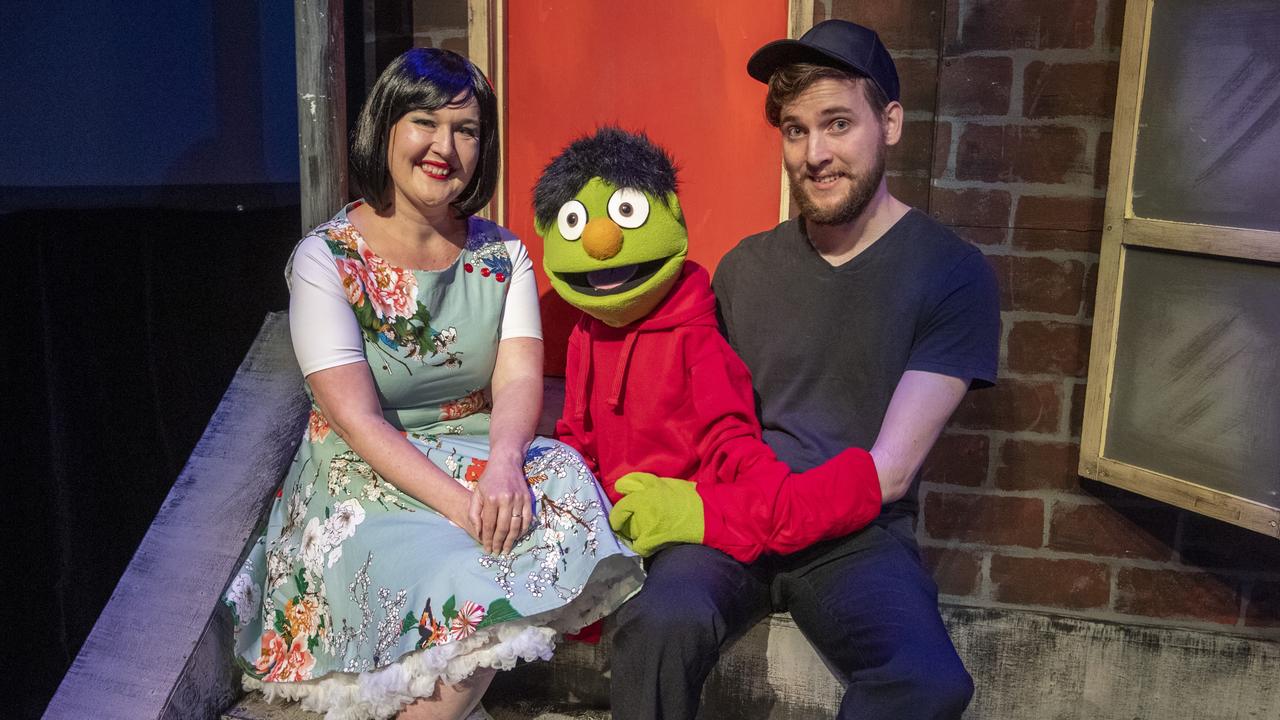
x=614 y=253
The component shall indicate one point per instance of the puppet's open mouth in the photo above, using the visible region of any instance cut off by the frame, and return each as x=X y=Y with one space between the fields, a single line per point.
x=611 y=281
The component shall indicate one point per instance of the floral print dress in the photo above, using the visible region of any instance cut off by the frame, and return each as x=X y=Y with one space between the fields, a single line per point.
x=358 y=598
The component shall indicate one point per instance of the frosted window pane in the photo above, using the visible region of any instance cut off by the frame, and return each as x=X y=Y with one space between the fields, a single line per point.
x=1209 y=128
x=1196 y=391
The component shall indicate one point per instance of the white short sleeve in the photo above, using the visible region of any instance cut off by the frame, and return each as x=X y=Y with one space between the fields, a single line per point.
x=324 y=328
x=325 y=331
x=520 y=316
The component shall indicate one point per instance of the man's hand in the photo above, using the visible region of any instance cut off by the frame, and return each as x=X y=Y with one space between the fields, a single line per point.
x=657 y=511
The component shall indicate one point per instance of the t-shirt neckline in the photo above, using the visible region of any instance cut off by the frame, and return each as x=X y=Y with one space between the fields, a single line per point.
x=857 y=261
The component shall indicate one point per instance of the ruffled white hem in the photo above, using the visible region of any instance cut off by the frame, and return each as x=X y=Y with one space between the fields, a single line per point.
x=384 y=692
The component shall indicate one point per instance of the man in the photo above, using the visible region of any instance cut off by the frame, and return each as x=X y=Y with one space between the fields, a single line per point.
x=863 y=323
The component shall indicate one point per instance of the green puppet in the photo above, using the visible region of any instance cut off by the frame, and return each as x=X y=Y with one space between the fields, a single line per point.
x=617 y=245
x=656 y=401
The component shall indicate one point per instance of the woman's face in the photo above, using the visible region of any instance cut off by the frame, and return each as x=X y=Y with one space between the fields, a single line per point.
x=432 y=154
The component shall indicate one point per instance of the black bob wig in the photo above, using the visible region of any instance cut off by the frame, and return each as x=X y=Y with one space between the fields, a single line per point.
x=423 y=79
x=620 y=158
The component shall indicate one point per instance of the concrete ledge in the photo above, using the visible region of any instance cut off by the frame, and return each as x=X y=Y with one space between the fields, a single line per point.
x=160 y=648
x=1032 y=665
x=1025 y=665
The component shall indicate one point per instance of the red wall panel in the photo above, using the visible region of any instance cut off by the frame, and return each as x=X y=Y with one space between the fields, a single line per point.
x=676 y=71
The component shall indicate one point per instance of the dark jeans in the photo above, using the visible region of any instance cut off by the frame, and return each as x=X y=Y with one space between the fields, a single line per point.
x=864 y=601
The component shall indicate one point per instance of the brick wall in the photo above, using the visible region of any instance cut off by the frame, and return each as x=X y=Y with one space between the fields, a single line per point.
x=1007 y=141
x=1009 y=108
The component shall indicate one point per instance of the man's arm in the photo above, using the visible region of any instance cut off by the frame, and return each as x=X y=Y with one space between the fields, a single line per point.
x=920 y=407
x=745 y=501
x=760 y=506
x=763 y=512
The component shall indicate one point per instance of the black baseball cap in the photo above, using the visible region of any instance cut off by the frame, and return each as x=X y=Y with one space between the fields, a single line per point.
x=834 y=43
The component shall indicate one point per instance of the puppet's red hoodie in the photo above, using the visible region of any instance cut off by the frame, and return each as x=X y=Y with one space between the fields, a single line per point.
x=667 y=395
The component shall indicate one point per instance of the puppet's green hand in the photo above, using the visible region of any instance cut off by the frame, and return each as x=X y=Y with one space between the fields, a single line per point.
x=657 y=511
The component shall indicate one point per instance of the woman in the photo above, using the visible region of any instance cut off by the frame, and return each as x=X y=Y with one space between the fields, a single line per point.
x=423 y=537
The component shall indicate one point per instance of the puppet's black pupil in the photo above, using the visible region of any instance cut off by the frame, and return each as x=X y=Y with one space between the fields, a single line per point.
x=573 y=219
x=625 y=209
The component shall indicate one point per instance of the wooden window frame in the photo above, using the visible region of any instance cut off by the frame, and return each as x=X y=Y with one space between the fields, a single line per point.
x=485 y=27
x=1121 y=231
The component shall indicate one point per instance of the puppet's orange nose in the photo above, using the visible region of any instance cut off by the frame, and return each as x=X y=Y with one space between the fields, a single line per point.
x=602 y=238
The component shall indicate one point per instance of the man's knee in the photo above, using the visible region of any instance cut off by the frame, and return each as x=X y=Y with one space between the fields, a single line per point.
x=941 y=691
x=658 y=623
x=695 y=599
x=920 y=682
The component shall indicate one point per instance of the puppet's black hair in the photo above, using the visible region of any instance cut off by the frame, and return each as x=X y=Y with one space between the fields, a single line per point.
x=614 y=155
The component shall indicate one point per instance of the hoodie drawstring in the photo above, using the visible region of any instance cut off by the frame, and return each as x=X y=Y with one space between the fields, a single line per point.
x=619 y=379
x=584 y=381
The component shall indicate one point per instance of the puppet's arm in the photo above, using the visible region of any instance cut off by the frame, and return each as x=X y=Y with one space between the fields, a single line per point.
x=747 y=501
x=764 y=511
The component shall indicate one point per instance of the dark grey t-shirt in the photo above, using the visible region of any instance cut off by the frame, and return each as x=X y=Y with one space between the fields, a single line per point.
x=826 y=345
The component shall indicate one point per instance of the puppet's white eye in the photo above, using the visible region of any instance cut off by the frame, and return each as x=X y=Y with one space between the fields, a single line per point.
x=572 y=219
x=629 y=207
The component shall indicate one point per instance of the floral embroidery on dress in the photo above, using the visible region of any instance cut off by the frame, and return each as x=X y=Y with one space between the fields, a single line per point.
x=287 y=653
x=347 y=466
x=348 y=642
x=352 y=277
x=442 y=341
x=389 y=631
x=456 y=622
x=392 y=291
x=469 y=617
x=556 y=519
x=343 y=234
x=470 y=404
x=282 y=661
x=280 y=551
x=288 y=647
x=385 y=299
x=242 y=597
x=492 y=259
x=317 y=426
x=475 y=470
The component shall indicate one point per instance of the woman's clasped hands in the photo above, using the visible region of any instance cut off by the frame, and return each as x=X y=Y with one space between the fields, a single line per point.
x=501 y=509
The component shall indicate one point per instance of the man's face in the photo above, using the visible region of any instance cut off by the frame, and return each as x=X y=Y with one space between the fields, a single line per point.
x=833 y=147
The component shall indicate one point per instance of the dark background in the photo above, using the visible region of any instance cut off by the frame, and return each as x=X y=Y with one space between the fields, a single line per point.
x=148 y=202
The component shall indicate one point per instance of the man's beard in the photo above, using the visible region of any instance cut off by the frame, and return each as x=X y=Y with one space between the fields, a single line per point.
x=862 y=189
